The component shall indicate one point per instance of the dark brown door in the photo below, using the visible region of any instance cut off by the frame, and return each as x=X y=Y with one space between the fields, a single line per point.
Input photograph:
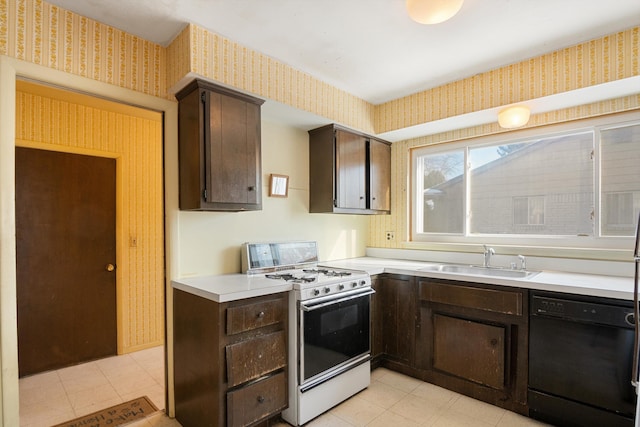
x=65 y=244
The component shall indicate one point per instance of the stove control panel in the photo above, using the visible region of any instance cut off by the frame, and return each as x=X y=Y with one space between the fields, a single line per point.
x=318 y=290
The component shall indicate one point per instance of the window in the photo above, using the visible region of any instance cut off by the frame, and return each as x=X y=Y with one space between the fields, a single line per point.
x=571 y=183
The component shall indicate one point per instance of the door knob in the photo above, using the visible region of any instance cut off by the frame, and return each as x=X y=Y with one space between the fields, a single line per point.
x=110 y=267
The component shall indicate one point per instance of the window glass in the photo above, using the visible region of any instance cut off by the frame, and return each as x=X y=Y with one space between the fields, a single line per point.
x=528 y=210
x=620 y=177
x=441 y=188
x=542 y=187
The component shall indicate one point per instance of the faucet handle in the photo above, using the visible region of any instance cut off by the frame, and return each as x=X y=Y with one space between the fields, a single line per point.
x=488 y=250
x=523 y=262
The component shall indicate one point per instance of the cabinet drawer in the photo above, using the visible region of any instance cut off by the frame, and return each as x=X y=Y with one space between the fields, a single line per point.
x=252 y=316
x=256 y=401
x=494 y=300
x=256 y=357
x=470 y=350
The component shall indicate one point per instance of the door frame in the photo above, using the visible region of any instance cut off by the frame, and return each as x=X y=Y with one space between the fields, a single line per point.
x=10 y=70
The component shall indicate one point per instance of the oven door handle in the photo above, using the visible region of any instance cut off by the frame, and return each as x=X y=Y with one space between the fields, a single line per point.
x=313 y=307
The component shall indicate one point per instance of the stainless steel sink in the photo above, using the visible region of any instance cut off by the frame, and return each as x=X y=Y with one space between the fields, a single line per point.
x=476 y=270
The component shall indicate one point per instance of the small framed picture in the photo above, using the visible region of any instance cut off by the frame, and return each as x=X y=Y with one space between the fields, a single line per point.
x=278 y=185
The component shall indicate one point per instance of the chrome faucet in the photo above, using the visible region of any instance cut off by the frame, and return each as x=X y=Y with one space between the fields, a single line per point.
x=487 y=256
x=523 y=262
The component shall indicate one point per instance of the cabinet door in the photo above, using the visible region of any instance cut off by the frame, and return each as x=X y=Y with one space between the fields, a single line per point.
x=350 y=170
x=471 y=350
x=379 y=175
x=232 y=150
x=399 y=312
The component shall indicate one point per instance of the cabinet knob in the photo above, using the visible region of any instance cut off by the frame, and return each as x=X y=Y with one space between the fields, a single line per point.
x=374 y=198
x=252 y=188
x=629 y=318
x=361 y=197
x=260 y=399
x=260 y=315
x=110 y=267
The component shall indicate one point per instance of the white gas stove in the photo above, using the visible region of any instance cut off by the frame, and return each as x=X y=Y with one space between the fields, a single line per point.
x=329 y=321
x=297 y=263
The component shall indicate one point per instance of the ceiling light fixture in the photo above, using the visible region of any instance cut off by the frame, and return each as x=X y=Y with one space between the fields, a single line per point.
x=514 y=117
x=433 y=11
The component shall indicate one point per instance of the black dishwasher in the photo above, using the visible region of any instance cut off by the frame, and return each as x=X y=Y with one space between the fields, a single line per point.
x=580 y=360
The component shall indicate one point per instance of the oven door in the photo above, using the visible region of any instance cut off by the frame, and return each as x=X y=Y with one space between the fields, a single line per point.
x=334 y=334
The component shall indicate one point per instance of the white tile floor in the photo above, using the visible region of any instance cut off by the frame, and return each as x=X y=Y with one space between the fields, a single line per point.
x=392 y=399
x=397 y=400
x=57 y=396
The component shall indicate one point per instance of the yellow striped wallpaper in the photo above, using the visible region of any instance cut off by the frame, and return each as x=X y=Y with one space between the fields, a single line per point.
x=179 y=57
x=54 y=119
x=43 y=34
x=598 y=61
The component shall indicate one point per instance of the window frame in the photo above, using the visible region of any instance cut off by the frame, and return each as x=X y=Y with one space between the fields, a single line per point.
x=454 y=241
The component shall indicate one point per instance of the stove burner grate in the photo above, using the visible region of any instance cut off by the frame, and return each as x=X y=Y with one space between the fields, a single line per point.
x=315 y=270
x=329 y=273
x=291 y=278
x=337 y=273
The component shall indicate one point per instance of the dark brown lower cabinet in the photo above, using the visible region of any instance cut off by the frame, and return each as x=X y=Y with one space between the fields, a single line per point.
x=395 y=322
x=230 y=360
x=467 y=337
x=474 y=340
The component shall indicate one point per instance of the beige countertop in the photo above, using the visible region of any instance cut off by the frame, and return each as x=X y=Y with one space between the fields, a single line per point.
x=230 y=287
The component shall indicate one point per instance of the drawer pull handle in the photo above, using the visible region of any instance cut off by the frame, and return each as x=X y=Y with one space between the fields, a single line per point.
x=261 y=315
x=260 y=399
x=260 y=356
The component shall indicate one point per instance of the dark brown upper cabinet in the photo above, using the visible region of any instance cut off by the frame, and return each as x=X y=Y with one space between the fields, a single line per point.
x=349 y=172
x=219 y=149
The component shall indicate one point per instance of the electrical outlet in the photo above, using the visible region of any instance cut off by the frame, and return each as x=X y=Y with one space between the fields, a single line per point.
x=390 y=235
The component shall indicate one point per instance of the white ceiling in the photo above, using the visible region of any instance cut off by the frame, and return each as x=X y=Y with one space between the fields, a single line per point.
x=371 y=48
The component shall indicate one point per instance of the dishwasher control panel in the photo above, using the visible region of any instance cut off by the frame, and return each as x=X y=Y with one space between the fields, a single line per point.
x=583 y=311
x=550 y=306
